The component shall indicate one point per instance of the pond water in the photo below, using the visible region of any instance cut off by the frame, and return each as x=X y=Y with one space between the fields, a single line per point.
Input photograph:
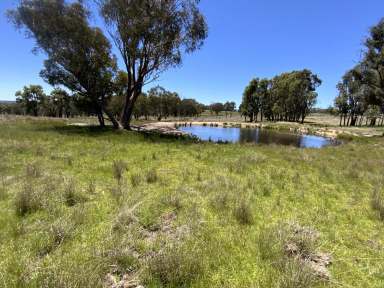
x=256 y=135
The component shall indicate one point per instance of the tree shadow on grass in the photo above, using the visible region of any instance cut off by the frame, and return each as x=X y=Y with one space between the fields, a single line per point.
x=94 y=131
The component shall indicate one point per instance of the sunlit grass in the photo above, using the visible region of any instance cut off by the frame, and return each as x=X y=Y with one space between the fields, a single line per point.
x=79 y=203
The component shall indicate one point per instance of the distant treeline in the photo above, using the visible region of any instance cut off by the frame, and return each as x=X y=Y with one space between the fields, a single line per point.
x=160 y=103
x=361 y=90
x=286 y=97
x=156 y=103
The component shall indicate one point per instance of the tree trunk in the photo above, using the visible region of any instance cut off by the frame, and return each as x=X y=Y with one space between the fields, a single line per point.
x=126 y=115
x=116 y=124
x=341 y=117
x=100 y=117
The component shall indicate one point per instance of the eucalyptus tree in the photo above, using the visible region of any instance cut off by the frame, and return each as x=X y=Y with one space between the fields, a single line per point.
x=151 y=37
x=361 y=90
x=79 y=56
x=249 y=107
x=31 y=99
x=61 y=102
x=289 y=97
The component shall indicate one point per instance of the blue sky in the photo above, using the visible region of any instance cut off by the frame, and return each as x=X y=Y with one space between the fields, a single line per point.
x=247 y=38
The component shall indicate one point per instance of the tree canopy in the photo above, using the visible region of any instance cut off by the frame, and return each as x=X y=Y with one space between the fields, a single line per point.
x=361 y=90
x=289 y=97
x=79 y=56
x=151 y=37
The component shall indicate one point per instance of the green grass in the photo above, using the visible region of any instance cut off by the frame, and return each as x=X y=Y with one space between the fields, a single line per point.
x=79 y=203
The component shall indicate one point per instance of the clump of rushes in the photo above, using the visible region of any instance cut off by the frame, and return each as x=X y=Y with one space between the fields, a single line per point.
x=71 y=195
x=33 y=170
x=377 y=202
x=119 y=168
x=152 y=176
x=135 y=179
x=176 y=266
x=3 y=189
x=243 y=213
x=25 y=200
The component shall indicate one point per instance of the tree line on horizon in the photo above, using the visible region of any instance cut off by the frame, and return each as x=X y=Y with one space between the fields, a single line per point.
x=157 y=103
x=361 y=90
x=287 y=97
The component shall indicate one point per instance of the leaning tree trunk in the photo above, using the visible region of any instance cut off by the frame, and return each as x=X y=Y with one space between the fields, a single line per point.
x=116 y=124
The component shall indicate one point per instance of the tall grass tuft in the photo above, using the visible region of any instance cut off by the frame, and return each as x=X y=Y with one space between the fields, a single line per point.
x=135 y=179
x=71 y=194
x=377 y=202
x=3 y=189
x=243 y=213
x=276 y=245
x=33 y=170
x=25 y=200
x=176 y=266
x=151 y=176
x=119 y=168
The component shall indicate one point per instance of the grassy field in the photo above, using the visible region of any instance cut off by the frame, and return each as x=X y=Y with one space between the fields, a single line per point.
x=83 y=207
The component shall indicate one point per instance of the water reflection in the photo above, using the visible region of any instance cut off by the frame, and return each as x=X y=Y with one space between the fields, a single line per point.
x=257 y=135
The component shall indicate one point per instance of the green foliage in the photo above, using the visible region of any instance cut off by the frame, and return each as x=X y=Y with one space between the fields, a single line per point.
x=79 y=56
x=361 y=91
x=288 y=97
x=154 y=45
x=32 y=99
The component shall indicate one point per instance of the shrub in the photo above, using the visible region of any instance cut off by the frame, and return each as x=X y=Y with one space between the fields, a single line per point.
x=243 y=213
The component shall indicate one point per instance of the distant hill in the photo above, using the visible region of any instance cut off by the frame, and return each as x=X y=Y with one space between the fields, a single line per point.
x=7 y=102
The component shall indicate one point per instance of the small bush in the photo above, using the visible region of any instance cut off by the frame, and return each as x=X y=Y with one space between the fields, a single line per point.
x=119 y=167
x=243 y=213
x=152 y=176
